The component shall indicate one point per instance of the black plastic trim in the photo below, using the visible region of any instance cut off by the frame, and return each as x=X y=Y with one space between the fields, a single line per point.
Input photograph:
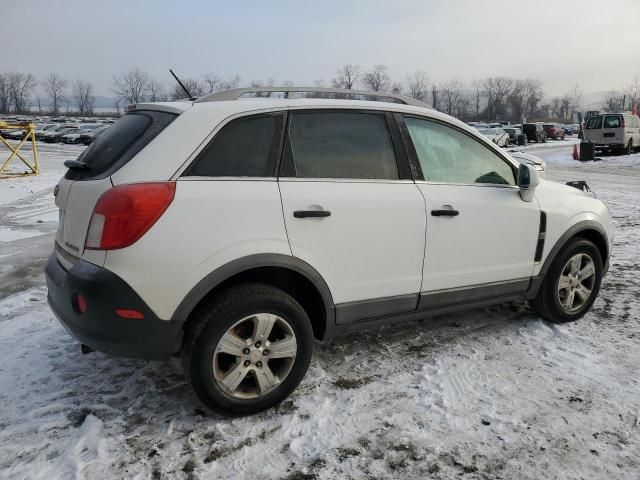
x=450 y=297
x=99 y=327
x=542 y=233
x=354 y=311
x=570 y=233
x=422 y=314
x=215 y=278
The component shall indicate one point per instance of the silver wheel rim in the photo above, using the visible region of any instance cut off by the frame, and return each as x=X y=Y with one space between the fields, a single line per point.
x=576 y=282
x=254 y=356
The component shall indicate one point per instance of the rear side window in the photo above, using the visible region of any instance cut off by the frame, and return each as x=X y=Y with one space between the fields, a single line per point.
x=247 y=147
x=612 y=121
x=120 y=143
x=349 y=145
x=594 y=123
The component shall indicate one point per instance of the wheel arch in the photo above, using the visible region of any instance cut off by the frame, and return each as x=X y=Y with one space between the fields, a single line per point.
x=587 y=229
x=290 y=274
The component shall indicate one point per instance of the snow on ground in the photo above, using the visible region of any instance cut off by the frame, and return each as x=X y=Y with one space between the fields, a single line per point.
x=491 y=393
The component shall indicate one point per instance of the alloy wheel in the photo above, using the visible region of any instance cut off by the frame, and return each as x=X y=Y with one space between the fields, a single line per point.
x=254 y=356
x=576 y=282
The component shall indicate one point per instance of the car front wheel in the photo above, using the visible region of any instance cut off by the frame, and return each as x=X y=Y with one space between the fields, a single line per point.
x=572 y=283
x=249 y=350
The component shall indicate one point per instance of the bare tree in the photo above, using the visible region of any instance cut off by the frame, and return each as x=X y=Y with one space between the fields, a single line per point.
x=533 y=95
x=83 y=94
x=347 y=77
x=195 y=87
x=54 y=86
x=396 y=87
x=497 y=90
x=417 y=85
x=633 y=91
x=572 y=101
x=613 y=101
x=452 y=97
x=156 y=91
x=20 y=87
x=377 y=79
x=435 y=97
x=215 y=83
x=5 y=94
x=133 y=86
x=477 y=95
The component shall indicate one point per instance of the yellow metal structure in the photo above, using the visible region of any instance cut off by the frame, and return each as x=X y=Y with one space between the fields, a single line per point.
x=30 y=136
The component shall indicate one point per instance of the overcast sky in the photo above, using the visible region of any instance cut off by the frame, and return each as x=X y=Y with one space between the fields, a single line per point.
x=590 y=42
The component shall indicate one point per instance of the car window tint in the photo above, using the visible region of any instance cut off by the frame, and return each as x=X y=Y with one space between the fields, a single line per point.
x=247 y=147
x=612 y=121
x=342 y=145
x=120 y=143
x=449 y=156
x=594 y=123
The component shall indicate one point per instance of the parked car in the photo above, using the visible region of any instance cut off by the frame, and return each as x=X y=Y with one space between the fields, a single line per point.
x=73 y=137
x=554 y=130
x=88 y=137
x=513 y=134
x=42 y=129
x=15 y=134
x=613 y=131
x=534 y=132
x=168 y=246
x=533 y=160
x=55 y=134
x=496 y=135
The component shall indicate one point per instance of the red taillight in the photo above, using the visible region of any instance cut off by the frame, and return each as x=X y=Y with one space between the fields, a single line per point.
x=622 y=123
x=129 y=314
x=124 y=213
x=80 y=303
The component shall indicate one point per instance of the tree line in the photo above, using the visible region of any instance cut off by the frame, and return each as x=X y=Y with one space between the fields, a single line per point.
x=493 y=98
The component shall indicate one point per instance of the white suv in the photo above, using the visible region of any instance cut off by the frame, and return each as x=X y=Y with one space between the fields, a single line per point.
x=236 y=230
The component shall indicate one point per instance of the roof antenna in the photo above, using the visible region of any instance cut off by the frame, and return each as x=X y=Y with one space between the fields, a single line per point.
x=191 y=97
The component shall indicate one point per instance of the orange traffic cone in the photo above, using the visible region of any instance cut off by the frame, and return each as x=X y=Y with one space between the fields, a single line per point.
x=576 y=155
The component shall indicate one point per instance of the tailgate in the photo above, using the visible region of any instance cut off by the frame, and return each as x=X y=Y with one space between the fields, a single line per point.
x=75 y=201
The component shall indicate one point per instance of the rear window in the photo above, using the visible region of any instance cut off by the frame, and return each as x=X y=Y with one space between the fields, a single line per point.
x=120 y=143
x=594 y=123
x=612 y=121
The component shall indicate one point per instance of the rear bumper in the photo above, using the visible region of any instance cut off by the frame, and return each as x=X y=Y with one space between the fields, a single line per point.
x=99 y=327
x=600 y=146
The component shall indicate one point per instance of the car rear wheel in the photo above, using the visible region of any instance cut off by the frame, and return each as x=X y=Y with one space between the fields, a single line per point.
x=630 y=149
x=572 y=283
x=249 y=350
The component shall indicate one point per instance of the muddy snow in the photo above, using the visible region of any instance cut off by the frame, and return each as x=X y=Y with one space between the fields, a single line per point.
x=491 y=393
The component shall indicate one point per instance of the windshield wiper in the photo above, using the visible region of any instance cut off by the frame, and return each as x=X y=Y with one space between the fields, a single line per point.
x=76 y=165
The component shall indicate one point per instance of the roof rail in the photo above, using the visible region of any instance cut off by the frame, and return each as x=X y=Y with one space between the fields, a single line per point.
x=299 y=92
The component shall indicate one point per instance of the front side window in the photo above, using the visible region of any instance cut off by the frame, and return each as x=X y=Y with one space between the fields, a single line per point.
x=349 y=145
x=246 y=147
x=594 y=123
x=612 y=121
x=449 y=156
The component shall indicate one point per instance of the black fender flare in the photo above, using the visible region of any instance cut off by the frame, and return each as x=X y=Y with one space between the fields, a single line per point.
x=250 y=262
x=574 y=230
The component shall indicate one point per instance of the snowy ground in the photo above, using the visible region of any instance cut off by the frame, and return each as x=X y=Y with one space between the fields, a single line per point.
x=493 y=393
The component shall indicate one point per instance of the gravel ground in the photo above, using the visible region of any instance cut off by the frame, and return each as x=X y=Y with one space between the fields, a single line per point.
x=491 y=393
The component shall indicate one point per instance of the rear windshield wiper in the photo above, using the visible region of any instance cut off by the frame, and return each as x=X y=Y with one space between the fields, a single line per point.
x=76 y=165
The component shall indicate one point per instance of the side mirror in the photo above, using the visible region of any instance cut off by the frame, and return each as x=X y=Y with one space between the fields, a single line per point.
x=527 y=181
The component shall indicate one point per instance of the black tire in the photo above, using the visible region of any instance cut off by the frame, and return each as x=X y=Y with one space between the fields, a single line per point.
x=214 y=319
x=547 y=303
x=630 y=149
